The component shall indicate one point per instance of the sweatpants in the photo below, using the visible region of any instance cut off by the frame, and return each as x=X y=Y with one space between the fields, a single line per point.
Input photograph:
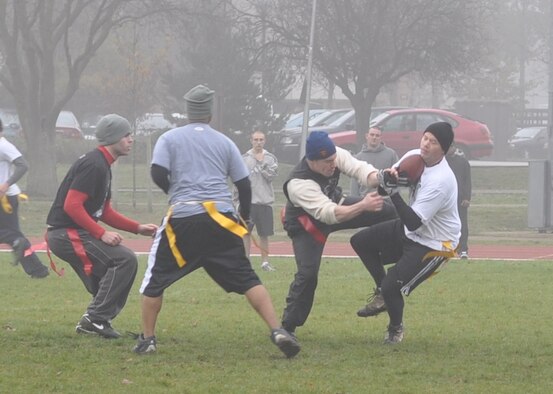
x=308 y=253
x=112 y=270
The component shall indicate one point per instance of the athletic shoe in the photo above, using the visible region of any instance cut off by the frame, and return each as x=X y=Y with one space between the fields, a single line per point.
x=287 y=343
x=43 y=273
x=374 y=306
x=145 y=345
x=265 y=266
x=102 y=328
x=464 y=255
x=394 y=334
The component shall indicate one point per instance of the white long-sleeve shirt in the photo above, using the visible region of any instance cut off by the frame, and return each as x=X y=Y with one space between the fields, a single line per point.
x=307 y=193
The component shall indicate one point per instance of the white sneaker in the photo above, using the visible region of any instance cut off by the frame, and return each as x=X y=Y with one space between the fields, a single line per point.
x=464 y=255
x=265 y=266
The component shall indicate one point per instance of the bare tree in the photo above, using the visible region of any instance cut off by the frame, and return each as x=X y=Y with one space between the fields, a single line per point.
x=362 y=46
x=47 y=45
x=232 y=58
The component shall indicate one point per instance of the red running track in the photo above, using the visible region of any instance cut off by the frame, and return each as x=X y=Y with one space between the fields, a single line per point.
x=343 y=249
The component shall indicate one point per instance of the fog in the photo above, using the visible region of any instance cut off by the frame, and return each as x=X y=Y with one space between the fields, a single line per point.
x=483 y=59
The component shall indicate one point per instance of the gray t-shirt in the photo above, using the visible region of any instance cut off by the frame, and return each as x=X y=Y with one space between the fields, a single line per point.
x=200 y=161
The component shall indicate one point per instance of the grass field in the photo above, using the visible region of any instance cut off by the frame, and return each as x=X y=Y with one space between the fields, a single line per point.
x=476 y=327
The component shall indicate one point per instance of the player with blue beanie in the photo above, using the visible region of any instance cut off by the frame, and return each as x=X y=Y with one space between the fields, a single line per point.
x=317 y=207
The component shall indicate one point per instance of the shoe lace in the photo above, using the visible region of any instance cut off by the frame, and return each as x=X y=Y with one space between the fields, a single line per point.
x=373 y=296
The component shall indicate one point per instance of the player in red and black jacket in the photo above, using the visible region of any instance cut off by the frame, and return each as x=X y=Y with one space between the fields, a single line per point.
x=105 y=266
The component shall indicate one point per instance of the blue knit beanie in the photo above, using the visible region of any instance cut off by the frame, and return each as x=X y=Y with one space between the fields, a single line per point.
x=319 y=146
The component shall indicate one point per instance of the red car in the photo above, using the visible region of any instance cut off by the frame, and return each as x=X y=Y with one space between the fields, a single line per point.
x=402 y=130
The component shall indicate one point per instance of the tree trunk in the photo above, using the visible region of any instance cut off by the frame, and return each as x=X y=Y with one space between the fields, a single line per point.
x=42 y=180
x=362 y=114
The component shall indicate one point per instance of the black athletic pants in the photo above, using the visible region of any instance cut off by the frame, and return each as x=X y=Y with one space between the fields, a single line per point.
x=308 y=253
x=10 y=233
x=386 y=243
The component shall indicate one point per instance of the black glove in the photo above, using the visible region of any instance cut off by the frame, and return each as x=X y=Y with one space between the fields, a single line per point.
x=387 y=184
x=403 y=179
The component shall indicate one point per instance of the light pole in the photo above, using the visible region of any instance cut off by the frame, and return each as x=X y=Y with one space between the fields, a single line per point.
x=548 y=172
x=308 y=82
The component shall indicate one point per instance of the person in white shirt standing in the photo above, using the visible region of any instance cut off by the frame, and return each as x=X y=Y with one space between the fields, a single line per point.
x=12 y=167
x=263 y=167
x=423 y=238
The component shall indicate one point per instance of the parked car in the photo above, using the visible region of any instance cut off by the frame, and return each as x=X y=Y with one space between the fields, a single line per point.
x=530 y=142
x=67 y=126
x=296 y=120
x=287 y=147
x=10 y=122
x=286 y=142
x=151 y=123
x=402 y=130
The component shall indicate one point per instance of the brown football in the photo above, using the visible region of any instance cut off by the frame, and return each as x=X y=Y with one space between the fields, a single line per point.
x=411 y=168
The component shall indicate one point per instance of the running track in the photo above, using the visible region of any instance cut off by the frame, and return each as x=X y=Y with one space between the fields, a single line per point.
x=343 y=249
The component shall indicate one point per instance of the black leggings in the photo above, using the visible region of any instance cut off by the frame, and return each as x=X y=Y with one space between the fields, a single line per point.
x=384 y=244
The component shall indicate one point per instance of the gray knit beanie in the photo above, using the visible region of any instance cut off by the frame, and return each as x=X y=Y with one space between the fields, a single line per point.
x=199 y=102
x=111 y=128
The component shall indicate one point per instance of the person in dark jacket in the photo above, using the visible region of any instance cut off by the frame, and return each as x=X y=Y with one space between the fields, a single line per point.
x=316 y=207
x=461 y=168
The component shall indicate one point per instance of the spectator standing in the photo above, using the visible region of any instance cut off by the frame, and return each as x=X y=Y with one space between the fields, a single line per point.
x=461 y=168
x=12 y=167
x=423 y=237
x=201 y=229
x=106 y=267
x=263 y=167
x=316 y=207
x=375 y=152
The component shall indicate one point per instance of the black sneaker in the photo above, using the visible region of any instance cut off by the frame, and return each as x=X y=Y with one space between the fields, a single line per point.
x=394 y=335
x=375 y=305
x=145 y=345
x=102 y=328
x=42 y=273
x=286 y=342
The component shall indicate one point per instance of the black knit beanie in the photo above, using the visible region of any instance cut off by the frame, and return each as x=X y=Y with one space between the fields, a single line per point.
x=443 y=133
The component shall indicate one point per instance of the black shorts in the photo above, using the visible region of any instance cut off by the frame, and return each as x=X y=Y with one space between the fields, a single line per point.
x=262 y=218
x=201 y=242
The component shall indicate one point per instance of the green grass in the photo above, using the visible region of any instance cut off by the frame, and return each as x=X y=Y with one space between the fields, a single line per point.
x=476 y=327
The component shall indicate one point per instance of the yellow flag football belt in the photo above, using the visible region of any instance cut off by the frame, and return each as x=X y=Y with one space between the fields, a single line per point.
x=218 y=217
x=5 y=203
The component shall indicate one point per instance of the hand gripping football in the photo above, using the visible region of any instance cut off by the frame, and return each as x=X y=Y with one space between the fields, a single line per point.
x=410 y=170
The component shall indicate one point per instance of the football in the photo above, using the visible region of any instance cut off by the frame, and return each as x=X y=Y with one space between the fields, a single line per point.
x=411 y=168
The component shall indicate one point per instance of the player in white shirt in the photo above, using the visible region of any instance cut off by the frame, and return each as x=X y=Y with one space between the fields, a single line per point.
x=12 y=167
x=423 y=238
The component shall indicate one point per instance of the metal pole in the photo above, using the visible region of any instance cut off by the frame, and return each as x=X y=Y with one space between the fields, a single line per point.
x=308 y=84
x=547 y=189
x=550 y=73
